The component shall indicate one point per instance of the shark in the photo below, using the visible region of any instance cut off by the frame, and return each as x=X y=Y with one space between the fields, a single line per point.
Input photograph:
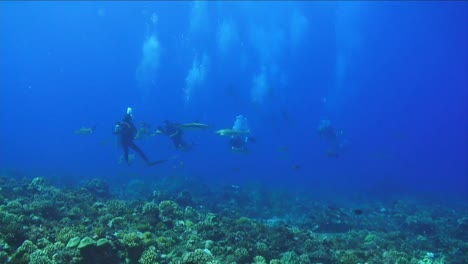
x=194 y=125
x=232 y=132
x=85 y=130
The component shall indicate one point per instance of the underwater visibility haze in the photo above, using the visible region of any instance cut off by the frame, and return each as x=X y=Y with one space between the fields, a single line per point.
x=330 y=116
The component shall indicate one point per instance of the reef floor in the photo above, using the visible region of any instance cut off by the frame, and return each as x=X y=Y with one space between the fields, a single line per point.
x=41 y=222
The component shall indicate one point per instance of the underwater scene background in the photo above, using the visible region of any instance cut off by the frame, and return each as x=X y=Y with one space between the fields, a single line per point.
x=311 y=132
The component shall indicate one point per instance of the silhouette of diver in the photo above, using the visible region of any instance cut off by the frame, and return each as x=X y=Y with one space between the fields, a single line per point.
x=175 y=133
x=332 y=137
x=239 y=142
x=126 y=130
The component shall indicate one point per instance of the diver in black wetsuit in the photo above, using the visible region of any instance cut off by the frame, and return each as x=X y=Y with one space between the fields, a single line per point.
x=332 y=137
x=175 y=133
x=239 y=143
x=127 y=132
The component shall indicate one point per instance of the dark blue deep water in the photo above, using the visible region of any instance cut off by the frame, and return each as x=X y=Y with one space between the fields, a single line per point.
x=391 y=77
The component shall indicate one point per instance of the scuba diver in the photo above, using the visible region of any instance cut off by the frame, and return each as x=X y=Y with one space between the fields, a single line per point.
x=238 y=143
x=332 y=137
x=174 y=131
x=127 y=131
x=240 y=134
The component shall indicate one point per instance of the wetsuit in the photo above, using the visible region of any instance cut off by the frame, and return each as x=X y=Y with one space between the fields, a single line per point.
x=127 y=132
x=174 y=132
x=237 y=143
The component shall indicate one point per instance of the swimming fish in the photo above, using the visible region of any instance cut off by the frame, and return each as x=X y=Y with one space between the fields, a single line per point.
x=296 y=166
x=358 y=211
x=85 y=130
x=283 y=149
x=333 y=154
x=194 y=125
x=157 y=132
x=143 y=131
x=232 y=132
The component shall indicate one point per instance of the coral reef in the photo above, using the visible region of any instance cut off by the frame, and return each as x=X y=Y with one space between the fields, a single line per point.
x=40 y=223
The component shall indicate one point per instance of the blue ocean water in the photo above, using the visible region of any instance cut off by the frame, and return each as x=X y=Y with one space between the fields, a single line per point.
x=390 y=76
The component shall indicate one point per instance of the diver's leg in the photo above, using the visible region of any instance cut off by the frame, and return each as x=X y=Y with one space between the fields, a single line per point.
x=125 y=150
x=175 y=142
x=139 y=151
